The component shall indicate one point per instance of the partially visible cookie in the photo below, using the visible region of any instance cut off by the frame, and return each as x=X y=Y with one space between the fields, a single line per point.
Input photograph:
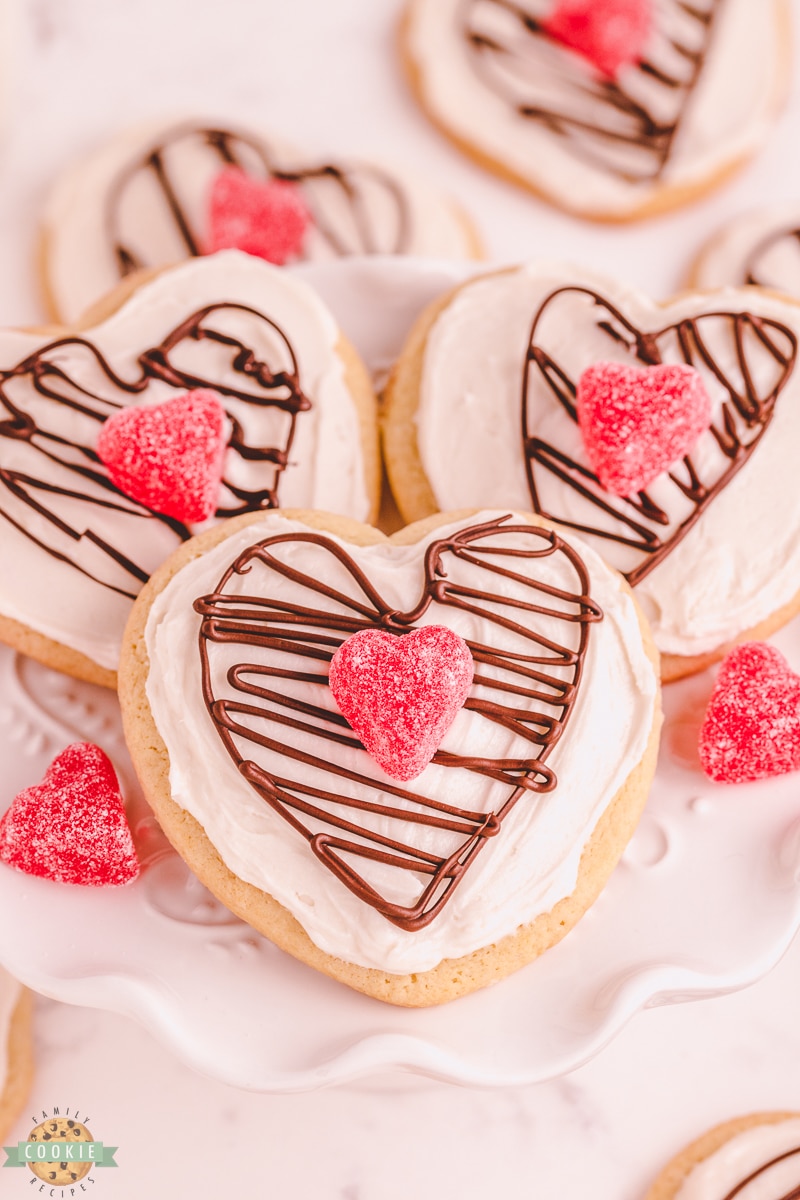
x=16 y=1050
x=761 y=247
x=757 y=1156
x=670 y=115
x=143 y=200
x=300 y=427
x=418 y=891
x=481 y=409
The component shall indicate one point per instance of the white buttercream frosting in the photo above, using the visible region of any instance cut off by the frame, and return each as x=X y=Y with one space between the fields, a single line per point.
x=760 y=247
x=388 y=209
x=740 y=561
x=325 y=468
x=477 y=91
x=747 y=1154
x=10 y=991
x=523 y=872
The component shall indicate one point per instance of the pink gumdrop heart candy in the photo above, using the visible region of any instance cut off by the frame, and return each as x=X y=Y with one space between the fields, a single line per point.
x=609 y=33
x=752 y=724
x=264 y=217
x=169 y=456
x=71 y=827
x=401 y=694
x=636 y=422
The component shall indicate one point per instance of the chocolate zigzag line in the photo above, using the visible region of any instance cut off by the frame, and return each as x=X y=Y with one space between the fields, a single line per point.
x=745 y=416
x=45 y=371
x=614 y=127
x=546 y=677
x=233 y=149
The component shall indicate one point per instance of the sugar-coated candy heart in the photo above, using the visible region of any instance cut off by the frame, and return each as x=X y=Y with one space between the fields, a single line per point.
x=636 y=422
x=751 y=728
x=71 y=827
x=264 y=217
x=609 y=33
x=169 y=456
x=402 y=693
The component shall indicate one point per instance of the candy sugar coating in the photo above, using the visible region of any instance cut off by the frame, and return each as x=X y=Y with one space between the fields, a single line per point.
x=169 y=456
x=71 y=827
x=264 y=217
x=637 y=422
x=402 y=693
x=610 y=33
x=751 y=728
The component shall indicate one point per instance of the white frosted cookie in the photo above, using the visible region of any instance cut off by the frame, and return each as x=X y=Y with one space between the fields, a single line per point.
x=412 y=892
x=16 y=1054
x=480 y=410
x=756 y=1157
x=301 y=429
x=760 y=247
x=695 y=103
x=142 y=201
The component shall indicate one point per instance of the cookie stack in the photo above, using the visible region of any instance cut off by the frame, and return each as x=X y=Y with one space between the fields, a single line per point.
x=412 y=761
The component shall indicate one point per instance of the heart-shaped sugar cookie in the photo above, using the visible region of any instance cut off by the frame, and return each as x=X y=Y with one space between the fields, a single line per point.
x=385 y=875
x=300 y=422
x=612 y=109
x=482 y=408
x=141 y=201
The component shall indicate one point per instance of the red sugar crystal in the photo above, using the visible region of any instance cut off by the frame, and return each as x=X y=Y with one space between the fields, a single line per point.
x=609 y=33
x=401 y=694
x=752 y=724
x=264 y=217
x=636 y=422
x=71 y=827
x=169 y=456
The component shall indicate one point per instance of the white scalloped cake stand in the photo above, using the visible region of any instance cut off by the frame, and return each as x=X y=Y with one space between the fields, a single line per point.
x=706 y=899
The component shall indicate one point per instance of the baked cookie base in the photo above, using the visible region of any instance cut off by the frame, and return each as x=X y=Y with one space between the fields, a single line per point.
x=672 y=1177
x=416 y=501
x=663 y=198
x=452 y=977
x=19 y=1078
x=73 y=662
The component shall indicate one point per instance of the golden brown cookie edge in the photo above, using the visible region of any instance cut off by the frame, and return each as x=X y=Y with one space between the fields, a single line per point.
x=452 y=977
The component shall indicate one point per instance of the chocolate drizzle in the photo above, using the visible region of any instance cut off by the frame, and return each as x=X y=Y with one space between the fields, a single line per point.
x=336 y=195
x=625 y=126
x=52 y=403
x=755 y=266
x=526 y=681
x=792 y=1194
x=640 y=522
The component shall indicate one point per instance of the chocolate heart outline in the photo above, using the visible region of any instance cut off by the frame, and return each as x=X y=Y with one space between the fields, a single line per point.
x=649 y=134
x=246 y=620
x=744 y=411
x=45 y=370
x=227 y=145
